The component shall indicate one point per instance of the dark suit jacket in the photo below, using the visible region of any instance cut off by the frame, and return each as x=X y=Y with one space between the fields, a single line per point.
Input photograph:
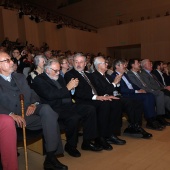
x=158 y=76
x=9 y=98
x=102 y=85
x=167 y=79
x=83 y=91
x=124 y=90
x=150 y=81
x=137 y=82
x=49 y=92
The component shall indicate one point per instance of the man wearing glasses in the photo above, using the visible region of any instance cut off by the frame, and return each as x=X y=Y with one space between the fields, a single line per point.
x=53 y=90
x=37 y=116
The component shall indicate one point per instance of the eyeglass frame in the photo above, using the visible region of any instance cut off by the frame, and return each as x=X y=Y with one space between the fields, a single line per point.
x=56 y=71
x=8 y=60
x=103 y=63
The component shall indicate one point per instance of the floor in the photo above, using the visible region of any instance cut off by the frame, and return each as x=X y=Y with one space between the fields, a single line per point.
x=137 y=154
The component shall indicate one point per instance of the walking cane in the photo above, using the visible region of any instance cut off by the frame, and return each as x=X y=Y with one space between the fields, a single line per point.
x=24 y=133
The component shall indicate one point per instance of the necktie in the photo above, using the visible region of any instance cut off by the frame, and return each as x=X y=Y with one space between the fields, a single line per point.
x=137 y=75
x=155 y=78
x=106 y=78
x=88 y=81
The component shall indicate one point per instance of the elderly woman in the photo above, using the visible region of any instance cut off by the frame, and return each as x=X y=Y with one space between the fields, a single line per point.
x=39 y=62
x=64 y=65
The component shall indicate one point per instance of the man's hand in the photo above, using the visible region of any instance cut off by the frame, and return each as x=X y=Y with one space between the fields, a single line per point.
x=30 y=109
x=167 y=87
x=117 y=79
x=141 y=91
x=72 y=84
x=19 y=120
x=105 y=98
x=112 y=98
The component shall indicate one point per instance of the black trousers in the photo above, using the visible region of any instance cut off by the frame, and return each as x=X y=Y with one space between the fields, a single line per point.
x=133 y=109
x=74 y=114
x=109 y=116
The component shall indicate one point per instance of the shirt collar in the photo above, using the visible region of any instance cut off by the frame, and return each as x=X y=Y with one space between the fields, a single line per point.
x=159 y=72
x=6 y=77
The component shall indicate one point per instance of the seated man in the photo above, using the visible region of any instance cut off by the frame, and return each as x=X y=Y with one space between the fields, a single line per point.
x=128 y=89
x=37 y=116
x=109 y=108
x=133 y=108
x=158 y=72
x=8 y=146
x=134 y=74
x=51 y=88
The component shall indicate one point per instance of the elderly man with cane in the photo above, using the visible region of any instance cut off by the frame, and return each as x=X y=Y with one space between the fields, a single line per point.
x=37 y=116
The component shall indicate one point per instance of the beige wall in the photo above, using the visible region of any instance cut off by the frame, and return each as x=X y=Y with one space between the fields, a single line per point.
x=153 y=35
x=10 y=24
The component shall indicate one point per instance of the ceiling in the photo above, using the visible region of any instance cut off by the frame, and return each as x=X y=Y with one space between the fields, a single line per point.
x=103 y=13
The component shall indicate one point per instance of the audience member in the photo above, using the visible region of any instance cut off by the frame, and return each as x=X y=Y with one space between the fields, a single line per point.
x=39 y=62
x=64 y=65
x=133 y=107
x=17 y=58
x=130 y=90
x=37 y=116
x=58 y=97
x=48 y=54
x=158 y=73
x=70 y=61
x=136 y=78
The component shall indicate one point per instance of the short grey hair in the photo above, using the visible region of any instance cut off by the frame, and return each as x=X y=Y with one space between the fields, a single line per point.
x=49 y=63
x=96 y=61
x=79 y=55
x=37 y=59
x=118 y=62
x=143 y=62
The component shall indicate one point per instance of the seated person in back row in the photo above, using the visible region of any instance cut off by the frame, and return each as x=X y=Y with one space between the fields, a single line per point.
x=37 y=116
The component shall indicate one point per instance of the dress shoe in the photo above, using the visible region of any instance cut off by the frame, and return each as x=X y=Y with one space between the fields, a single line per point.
x=162 y=121
x=72 y=151
x=103 y=143
x=130 y=131
x=145 y=134
x=154 y=125
x=54 y=164
x=166 y=115
x=91 y=146
x=115 y=140
x=137 y=131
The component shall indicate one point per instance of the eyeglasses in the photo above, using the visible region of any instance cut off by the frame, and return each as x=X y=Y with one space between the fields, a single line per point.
x=65 y=63
x=103 y=63
x=7 y=60
x=56 y=71
x=16 y=52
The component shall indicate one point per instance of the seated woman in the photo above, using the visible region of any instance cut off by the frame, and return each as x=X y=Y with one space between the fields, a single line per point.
x=8 y=146
x=64 y=65
x=39 y=62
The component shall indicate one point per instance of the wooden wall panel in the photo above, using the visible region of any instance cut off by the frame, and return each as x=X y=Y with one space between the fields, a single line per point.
x=1 y=26
x=10 y=24
x=82 y=41
x=31 y=31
